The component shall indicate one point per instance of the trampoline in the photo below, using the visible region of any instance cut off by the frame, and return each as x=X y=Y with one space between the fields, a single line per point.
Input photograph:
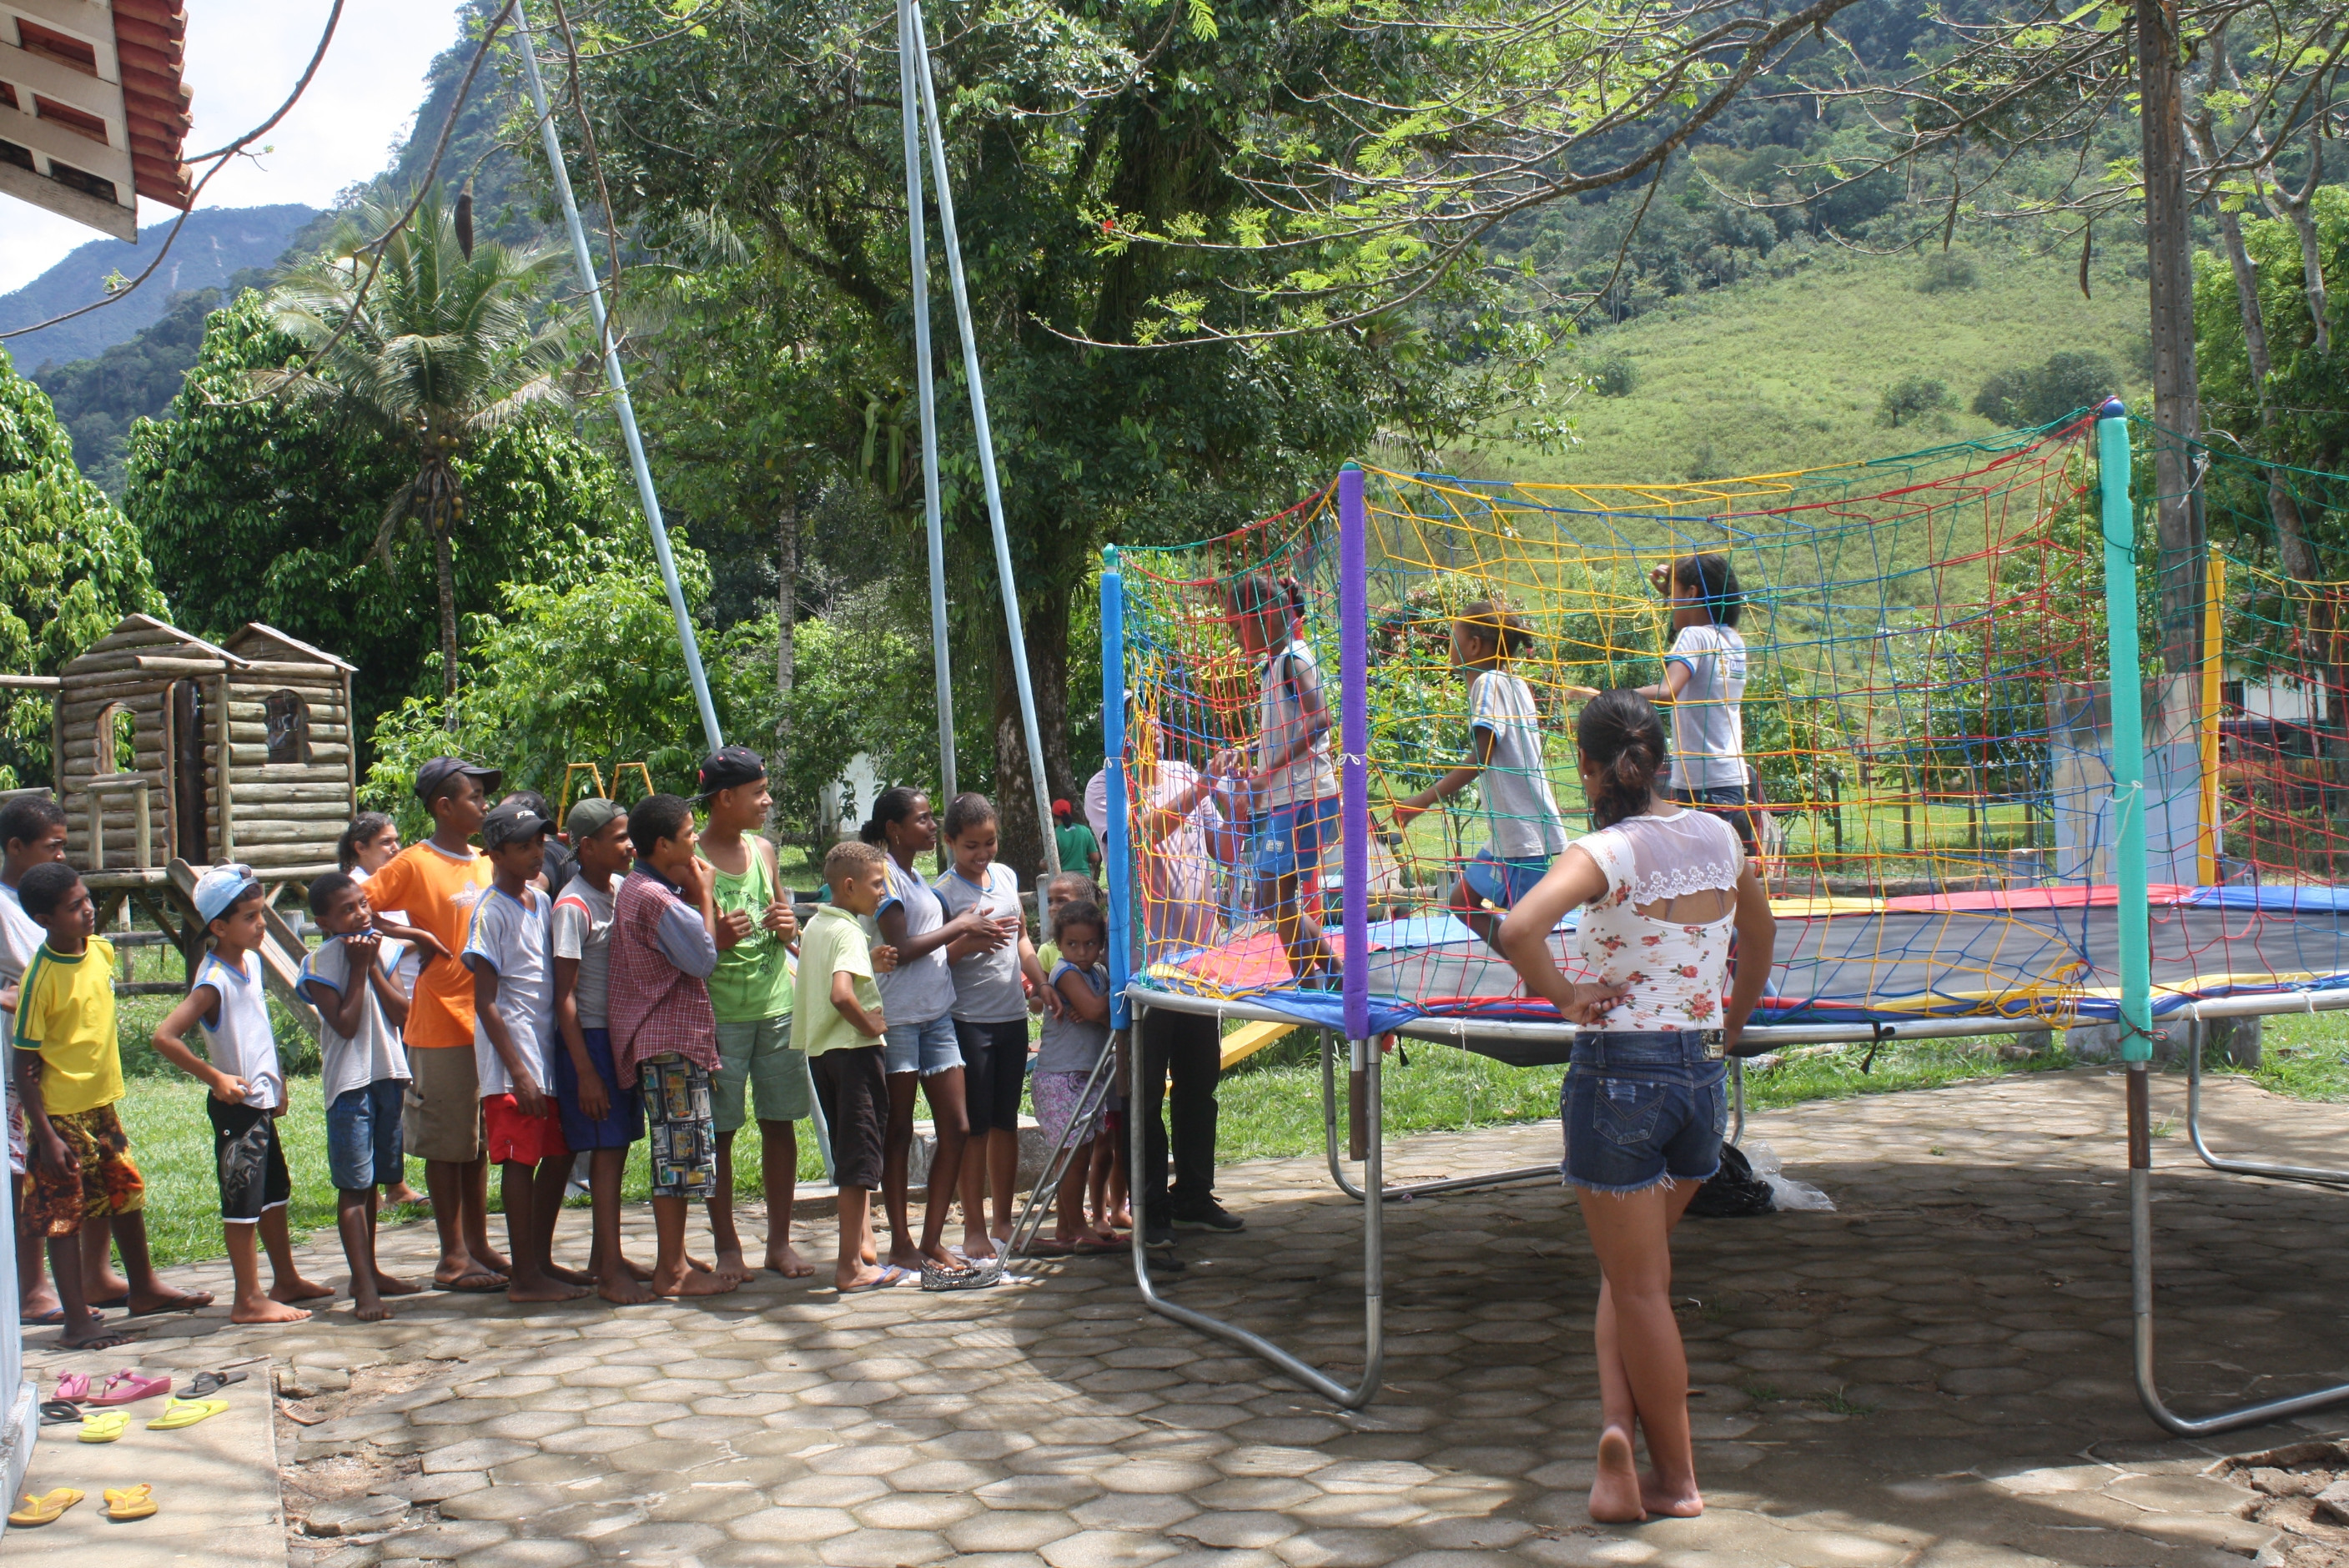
x=1982 y=819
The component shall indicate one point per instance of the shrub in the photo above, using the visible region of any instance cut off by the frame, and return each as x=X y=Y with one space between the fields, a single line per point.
x=1909 y=398
x=2025 y=396
x=1615 y=376
x=1946 y=270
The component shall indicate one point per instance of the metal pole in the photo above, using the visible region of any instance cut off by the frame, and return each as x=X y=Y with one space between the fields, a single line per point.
x=986 y=444
x=926 y=384
x=613 y=374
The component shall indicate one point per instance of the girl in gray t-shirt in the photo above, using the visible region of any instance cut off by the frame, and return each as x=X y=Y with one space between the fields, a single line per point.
x=1704 y=682
x=1524 y=832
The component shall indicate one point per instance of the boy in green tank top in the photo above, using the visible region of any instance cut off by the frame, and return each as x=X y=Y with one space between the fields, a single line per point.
x=751 y=993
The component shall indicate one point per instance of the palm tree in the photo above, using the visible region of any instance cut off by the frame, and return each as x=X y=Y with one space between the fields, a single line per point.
x=440 y=349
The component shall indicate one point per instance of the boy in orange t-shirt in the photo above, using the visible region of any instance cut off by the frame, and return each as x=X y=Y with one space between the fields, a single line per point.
x=438 y=880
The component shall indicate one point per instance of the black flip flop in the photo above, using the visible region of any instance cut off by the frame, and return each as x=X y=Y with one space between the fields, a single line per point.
x=207 y=1384
x=59 y=1413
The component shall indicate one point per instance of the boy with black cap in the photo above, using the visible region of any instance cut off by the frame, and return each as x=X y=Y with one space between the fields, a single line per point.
x=438 y=880
x=239 y=1067
x=513 y=1038
x=750 y=996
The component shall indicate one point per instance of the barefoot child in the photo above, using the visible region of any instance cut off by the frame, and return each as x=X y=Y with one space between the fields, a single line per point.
x=600 y=1110
x=993 y=972
x=750 y=993
x=840 y=1036
x=363 y=1072
x=367 y=846
x=1524 y=831
x=514 y=1012
x=248 y=1093
x=69 y=1067
x=664 y=1035
x=1076 y=1036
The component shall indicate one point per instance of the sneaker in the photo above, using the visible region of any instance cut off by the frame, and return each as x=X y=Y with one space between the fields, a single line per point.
x=1210 y=1216
x=1156 y=1236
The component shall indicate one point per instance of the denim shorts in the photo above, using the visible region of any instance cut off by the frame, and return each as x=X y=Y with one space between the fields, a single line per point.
x=928 y=1047
x=1733 y=803
x=363 y=1139
x=1640 y=1109
x=1289 y=839
x=1501 y=883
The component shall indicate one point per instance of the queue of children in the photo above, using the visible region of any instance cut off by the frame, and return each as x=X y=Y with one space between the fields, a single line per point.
x=472 y=1019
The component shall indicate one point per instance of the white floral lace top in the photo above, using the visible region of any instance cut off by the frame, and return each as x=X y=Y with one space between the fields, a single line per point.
x=1674 y=972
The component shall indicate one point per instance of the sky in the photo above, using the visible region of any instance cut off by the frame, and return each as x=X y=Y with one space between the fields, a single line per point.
x=242 y=57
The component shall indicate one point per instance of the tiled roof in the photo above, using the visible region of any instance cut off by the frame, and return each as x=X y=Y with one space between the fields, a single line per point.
x=92 y=108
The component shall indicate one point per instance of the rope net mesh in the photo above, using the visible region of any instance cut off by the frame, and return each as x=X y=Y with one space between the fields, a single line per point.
x=1925 y=736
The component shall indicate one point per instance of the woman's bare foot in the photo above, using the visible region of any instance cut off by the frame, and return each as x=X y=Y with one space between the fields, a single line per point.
x=288 y=1291
x=1615 y=1490
x=392 y=1285
x=265 y=1309
x=370 y=1311
x=730 y=1266
x=685 y=1279
x=1681 y=1501
x=537 y=1287
x=146 y=1303
x=786 y=1261
x=938 y=1255
x=976 y=1244
x=625 y=1288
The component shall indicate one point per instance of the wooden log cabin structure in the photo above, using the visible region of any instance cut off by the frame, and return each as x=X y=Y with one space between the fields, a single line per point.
x=172 y=754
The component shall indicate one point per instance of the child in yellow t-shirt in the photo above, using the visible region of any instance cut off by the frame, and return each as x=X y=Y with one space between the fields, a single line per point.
x=69 y=1075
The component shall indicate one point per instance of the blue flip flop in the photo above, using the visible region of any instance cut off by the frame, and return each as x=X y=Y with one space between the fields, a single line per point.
x=890 y=1277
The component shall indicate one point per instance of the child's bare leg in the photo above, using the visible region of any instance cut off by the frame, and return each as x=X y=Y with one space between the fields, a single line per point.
x=950 y=1118
x=779 y=1167
x=353 y=1217
x=616 y=1280
x=1474 y=915
x=385 y=1284
x=287 y=1283
x=976 y=1242
x=850 y=1269
x=673 y=1272
x=35 y=1296
x=460 y=1268
x=473 y=1197
x=1120 y=1186
x=723 y=1236
x=1002 y=1175
x=148 y=1294
x=896 y=1156
x=98 y=1280
x=528 y=1280
x=1069 y=1211
x=546 y=1193
x=252 y=1303
x=84 y=1330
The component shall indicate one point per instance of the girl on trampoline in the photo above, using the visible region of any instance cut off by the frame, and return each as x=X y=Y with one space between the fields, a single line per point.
x=1294 y=785
x=1705 y=680
x=1661 y=890
x=1524 y=831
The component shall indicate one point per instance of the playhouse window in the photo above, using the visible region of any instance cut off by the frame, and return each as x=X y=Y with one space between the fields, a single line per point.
x=118 y=740
x=289 y=727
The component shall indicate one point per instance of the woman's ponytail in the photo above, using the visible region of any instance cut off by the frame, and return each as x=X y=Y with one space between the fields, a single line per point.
x=1622 y=741
x=896 y=804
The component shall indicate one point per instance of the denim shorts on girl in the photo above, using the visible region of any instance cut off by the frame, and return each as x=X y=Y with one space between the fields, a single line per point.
x=929 y=1048
x=1289 y=839
x=1641 y=1108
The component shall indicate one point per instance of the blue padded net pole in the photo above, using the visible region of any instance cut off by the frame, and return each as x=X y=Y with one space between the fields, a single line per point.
x=1113 y=854
x=986 y=443
x=619 y=380
x=2128 y=733
x=926 y=384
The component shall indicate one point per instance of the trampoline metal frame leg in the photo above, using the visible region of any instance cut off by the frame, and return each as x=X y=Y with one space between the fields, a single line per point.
x=1400 y=1194
x=1374 y=1251
x=2141 y=1158
x=2220 y=1162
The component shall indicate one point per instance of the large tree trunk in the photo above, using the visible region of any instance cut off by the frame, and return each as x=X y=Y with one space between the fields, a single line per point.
x=1044 y=622
x=787 y=611
x=2177 y=399
x=444 y=572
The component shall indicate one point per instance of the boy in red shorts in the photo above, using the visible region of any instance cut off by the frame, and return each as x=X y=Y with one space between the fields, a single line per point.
x=514 y=1042
x=68 y=1076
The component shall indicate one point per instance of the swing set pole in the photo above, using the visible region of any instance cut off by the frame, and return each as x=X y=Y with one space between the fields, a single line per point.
x=925 y=380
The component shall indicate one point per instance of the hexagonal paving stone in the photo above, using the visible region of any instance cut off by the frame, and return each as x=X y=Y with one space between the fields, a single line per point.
x=1106 y=1549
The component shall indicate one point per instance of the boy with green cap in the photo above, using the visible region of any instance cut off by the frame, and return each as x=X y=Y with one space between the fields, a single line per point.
x=751 y=992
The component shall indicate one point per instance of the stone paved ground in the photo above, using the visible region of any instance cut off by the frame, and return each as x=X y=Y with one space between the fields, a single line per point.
x=1936 y=1374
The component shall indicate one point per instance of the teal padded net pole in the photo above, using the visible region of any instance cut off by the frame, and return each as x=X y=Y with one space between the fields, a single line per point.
x=2128 y=733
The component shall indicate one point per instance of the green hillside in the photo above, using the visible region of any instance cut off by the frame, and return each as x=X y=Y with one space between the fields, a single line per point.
x=1790 y=372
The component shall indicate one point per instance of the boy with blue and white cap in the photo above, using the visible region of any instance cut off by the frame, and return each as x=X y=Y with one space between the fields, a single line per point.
x=240 y=1067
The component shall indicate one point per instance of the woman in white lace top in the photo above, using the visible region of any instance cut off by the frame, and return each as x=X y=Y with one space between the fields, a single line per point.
x=1661 y=890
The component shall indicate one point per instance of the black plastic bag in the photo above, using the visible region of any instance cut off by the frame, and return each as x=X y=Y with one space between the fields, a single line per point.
x=1732 y=1193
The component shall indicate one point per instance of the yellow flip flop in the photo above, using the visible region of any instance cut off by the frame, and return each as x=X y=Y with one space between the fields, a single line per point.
x=46 y=1508
x=186 y=1413
x=131 y=1501
x=104 y=1426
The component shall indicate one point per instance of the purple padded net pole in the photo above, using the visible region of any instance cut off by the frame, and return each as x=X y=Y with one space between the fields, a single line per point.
x=1353 y=744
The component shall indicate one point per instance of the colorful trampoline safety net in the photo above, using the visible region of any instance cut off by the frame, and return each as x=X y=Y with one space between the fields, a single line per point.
x=1925 y=730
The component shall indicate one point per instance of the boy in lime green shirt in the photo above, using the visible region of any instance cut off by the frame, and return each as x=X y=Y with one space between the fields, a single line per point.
x=839 y=1032
x=68 y=1065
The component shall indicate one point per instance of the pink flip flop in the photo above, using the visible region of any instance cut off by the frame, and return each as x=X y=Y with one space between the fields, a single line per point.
x=127 y=1387
x=73 y=1388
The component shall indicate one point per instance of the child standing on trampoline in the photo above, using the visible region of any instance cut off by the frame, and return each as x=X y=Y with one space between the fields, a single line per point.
x=1506 y=753
x=1661 y=889
x=1295 y=789
x=1705 y=680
